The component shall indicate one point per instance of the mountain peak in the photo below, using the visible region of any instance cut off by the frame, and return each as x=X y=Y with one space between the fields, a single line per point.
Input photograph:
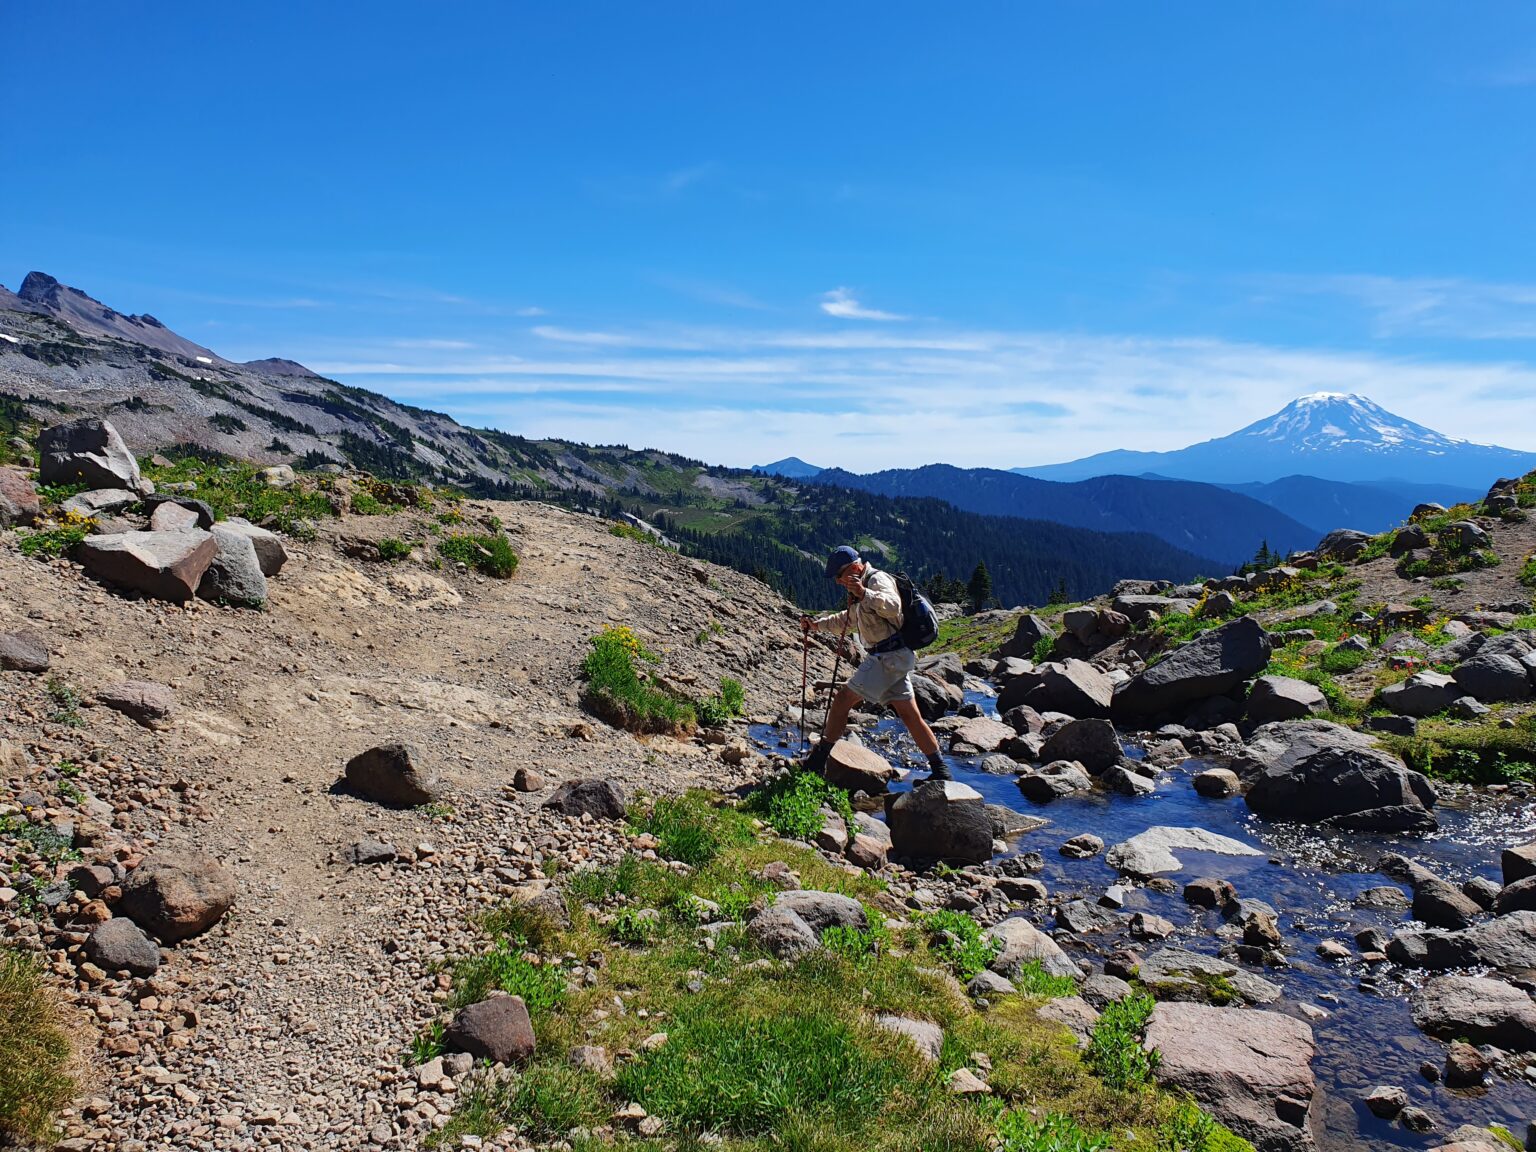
x=791 y=466
x=91 y=317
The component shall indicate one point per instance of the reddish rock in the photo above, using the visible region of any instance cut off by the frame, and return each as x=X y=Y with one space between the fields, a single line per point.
x=496 y=1029
x=142 y=701
x=18 y=499
x=164 y=565
x=857 y=769
x=177 y=894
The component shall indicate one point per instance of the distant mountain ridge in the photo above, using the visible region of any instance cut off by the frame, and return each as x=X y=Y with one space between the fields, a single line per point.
x=1328 y=504
x=1201 y=518
x=1329 y=435
x=791 y=466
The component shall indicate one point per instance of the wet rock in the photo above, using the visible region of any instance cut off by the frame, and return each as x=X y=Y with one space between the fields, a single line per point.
x=1146 y=926
x=1386 y=1101
x=1093 y=744
x=161 y=565
x=940 y=821
x=1081 y=917
x=1465 y=1066
x=1518 y=863
x=394 y=774
x=1282 y=698
x=1333 y=950
x=1020 y=942
x=1422 y=694
x=1210 y=665
x=1478 y=1009
x=1416 y=1120
x=1178 y=974
x=18 y=499
x=1073 y=687
x=1507 y=943
x=1481 y=891
x=1251 y=1070
x=176 y=894
x=1122 y=780
x=1314 y=772
x=1385 y=897
x=595 y=797
x=1151 y=852
x=270 y=553
x=23 y=652
x=1054 y=780
x=924 y=1035
x=496 y=1029
x=142 y=701
x=1217 y=782
x=1082 y=847
x=88 y=451
x=1441 y=904
x=234 y=576
x=120 y=945
x=1517 y=897
x=855 y=768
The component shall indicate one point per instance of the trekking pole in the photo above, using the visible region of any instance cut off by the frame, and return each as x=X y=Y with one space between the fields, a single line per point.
x=805 y=673
x=837 y=664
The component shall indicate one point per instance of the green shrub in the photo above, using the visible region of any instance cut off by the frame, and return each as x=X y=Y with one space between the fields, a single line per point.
x=1528 y=572
x=34 y=1052
x=1043 y=649
x=505 y=967
x=1114 y=1049
x=957 y=940
x=1338 y=661
x=545 y=1102
x=227 y=424
x=792 y=803
x=1019 y=1132
x=58 y=540
x=620 y=691
x=486 y=553
x=1188 y=1128
x=392 y=549
x=367 y=504
x=725 y=705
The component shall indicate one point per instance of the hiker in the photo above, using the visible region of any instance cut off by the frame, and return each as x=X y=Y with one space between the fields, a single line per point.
x=885 y=676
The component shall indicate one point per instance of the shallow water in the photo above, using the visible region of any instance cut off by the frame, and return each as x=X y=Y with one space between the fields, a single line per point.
x=1311 y=878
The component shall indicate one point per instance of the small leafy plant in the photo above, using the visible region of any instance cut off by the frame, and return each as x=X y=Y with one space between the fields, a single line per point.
x=1019 y=1132
x=392 y=549
x=792 y=804
x=622 y=692
x=725 y=705
x=1114 y=1049
x=490 y=554
x=957 y=940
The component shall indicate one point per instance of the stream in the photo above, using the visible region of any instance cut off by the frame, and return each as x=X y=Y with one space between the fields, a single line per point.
x=1312 y=879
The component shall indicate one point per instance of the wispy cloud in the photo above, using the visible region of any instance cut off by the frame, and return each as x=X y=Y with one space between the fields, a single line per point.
x=840 y=302
x=1431 y=306
x=682 y=178
x=531 y=310
x=435 y=345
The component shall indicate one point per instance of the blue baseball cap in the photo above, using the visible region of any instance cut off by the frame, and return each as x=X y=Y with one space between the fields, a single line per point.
x=840 y=559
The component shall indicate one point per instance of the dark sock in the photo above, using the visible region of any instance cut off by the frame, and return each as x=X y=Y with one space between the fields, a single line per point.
x=937 y=768
x=817 y=760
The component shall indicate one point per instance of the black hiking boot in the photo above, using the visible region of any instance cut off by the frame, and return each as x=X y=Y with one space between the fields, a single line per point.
x=817 y=760
x=938 y=771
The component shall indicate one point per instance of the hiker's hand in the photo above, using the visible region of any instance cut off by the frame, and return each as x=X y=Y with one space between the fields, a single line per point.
x=805 y=625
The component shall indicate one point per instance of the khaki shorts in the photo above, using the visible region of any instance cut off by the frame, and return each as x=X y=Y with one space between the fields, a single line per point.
x=885 y=677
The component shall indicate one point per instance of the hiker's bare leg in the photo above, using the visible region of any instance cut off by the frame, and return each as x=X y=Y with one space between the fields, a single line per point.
x=922 y=735
x=837 y=715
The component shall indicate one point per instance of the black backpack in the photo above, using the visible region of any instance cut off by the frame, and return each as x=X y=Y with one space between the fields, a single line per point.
x=919 y=623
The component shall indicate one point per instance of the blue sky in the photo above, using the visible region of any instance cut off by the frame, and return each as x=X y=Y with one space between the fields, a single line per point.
x=873 y=235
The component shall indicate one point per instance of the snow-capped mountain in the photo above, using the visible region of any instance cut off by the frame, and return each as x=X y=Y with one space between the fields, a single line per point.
x=1331 y=435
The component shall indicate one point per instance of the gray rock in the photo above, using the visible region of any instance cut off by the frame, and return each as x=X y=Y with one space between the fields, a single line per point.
x=595 y=797
x=1519 y=862
x=1151 y=852
x=1021 y=942
x=782 y=933
x=823 y=910
x=1386 y=1101
x=1210 y=665
x=88 y=451
x=1478 y=1009
x=1126 y=782
x=1092 y=743
x=162 y=565
x=1102 y=989
x=1082 y=847
x=926 y=1036
x=169 y=516
x=932 y=699
x=1082 y=918
x=176 y=894
x=980 y=732
x=1469 y=708
x=142 y=701
x=988 y=983
x=946 y=667
x=370 y=851
x=234 y=576
x=1422 y=694
x=1073 y=687
x=1029 y=631
x=120 y=945
x=23 y=652
x=496 y=1029
x=1494 y=676
x=270 y=553
x=100 y=502
x=1178 y=974
x=394 y=774
x=1481 y=891
x=1517 y=897
x=1282 y=698
x=1441 y=904
x=1313 y=772
x=1251 y=1070
x=1507 y=943
x=1343 y=544
x=940 y=821
x=1146 y=926
x=856 y=768
x=1054 y=780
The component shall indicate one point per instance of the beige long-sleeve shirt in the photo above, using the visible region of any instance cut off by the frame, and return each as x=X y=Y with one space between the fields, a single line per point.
x=876 y=618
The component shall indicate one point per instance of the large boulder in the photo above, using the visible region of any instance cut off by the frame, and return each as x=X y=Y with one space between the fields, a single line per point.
x=169 y=512
x=1178 y=974
x=496 y=1029
x=119 y=944
x=940 y=821
x=932 y=696
x=946 y=667
x=1422 y=694
x=176 y=894
x=23 y=651
x=1073 y=687
x=859 y=769
x=163 y=565
x=395 y=774
x=1494 y=676
x=1209 y=665
x=1028 y=633
x=1251 y=1070
x=234 y=576
x=270 y=553
x=1020 y=942
x=1343 y=544
x=1507 y=943
x=1092 y=743
x=1151 y=852
x=1282 y=698
x=18 y=499
x=1056 y=779
x=595 y=797
x=1478 y=1009
x=1441 y=904
x=1314 y=772
x=982 y=732
x=87 y=451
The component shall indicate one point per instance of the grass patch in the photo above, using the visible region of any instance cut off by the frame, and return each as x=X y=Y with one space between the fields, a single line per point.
x=59 y=538
x=621 y=691
x=723 y=706
x=235 y=488
x=690 y=829
x=630 y=532
x=1470 y=752
x=956 y=939
x=1528 y=572
x=791 y=804
x=487 y=553
x=34 y=1052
